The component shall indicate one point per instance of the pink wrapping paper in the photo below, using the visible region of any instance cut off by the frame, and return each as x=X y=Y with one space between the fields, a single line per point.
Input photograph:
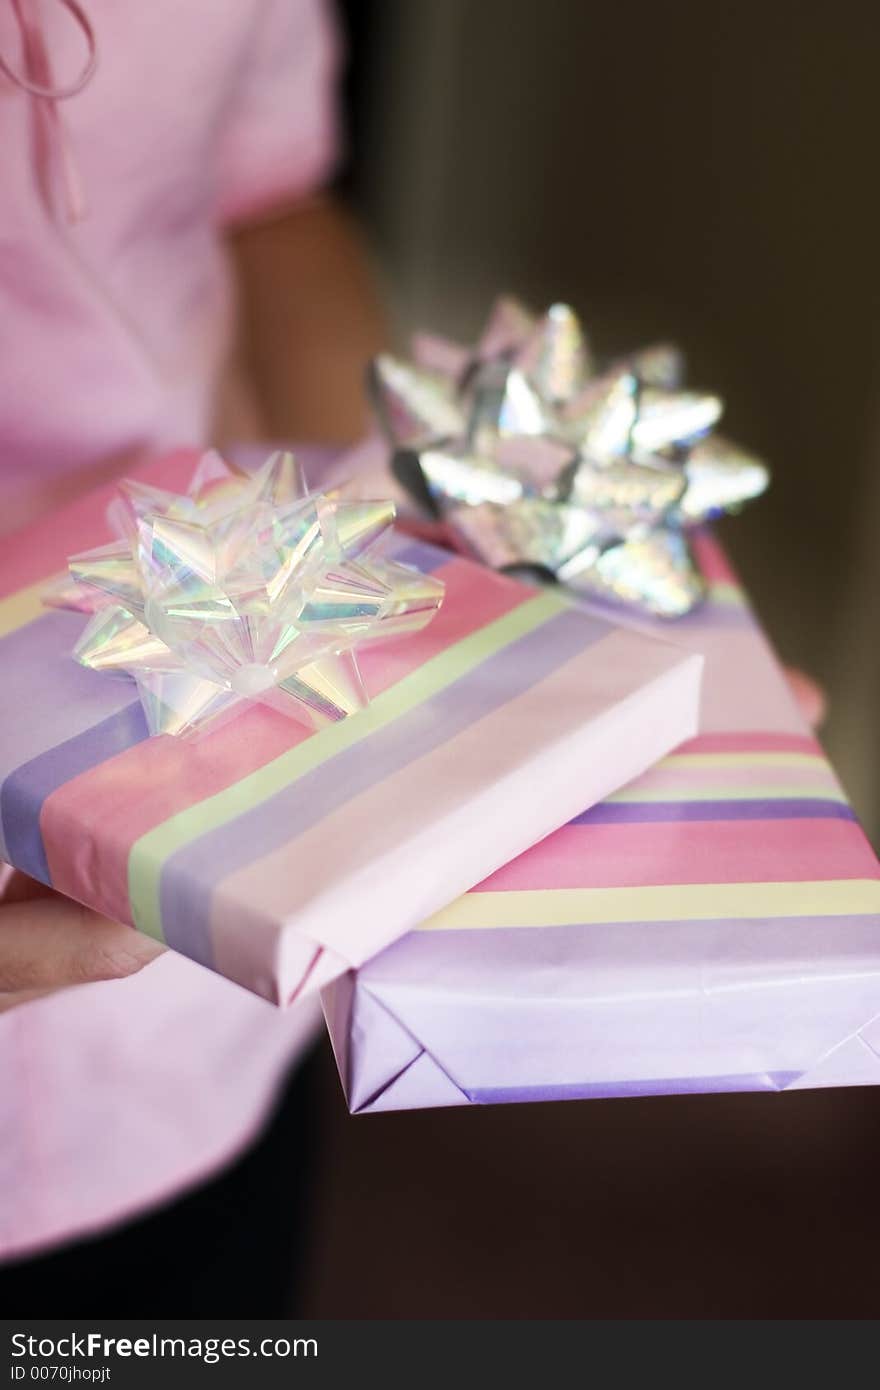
x=281 y=858
x=714 y=925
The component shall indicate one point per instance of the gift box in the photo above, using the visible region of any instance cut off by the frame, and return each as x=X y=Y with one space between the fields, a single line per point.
x=280 y=856
x=713 y=926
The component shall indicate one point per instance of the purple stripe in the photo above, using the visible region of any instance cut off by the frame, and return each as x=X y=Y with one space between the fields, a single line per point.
x=24 y=791
x=612 y=1090
x=419 y=554
x=706 y=617
x=47 y=699
x=185 y=903
x=641 y=812
x=709 y=617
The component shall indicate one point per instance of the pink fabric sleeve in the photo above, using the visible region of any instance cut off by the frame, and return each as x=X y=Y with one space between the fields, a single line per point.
x=282 y=134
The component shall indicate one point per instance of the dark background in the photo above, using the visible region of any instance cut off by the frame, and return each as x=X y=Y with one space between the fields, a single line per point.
x=701 y=171
x=695 y=170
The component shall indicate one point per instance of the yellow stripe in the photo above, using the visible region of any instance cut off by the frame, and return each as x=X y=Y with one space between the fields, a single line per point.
x=556 y=907
x=743 y=791
x=728 y=594
x=740 y=760
x=22 y=607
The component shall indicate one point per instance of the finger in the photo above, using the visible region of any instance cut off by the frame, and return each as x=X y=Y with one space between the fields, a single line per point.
x=811 y=699
x=52 y=942
x=19 y=888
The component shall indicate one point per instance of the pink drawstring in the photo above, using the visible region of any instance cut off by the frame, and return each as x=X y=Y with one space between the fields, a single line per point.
x=37 y=81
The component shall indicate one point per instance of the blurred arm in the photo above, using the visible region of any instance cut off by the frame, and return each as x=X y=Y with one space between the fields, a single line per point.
x=310 y=319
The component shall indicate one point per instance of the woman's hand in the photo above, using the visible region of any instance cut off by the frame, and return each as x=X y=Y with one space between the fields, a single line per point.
x=809 y=696
x=48 y=942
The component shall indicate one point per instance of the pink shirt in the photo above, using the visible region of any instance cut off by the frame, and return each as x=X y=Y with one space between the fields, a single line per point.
x=113 y=331
x=199 y=114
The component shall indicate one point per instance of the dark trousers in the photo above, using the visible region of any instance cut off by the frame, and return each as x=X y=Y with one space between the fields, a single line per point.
x=234 y=1247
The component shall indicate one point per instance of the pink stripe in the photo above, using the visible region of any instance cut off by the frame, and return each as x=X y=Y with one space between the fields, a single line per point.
x=42 y=548
x=434 y=532
x=712 y=560
x=90 y=823
x=635 y=856
x=752 y=743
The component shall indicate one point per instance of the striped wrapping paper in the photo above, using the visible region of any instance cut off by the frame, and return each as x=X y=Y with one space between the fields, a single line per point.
x=281 y=858
x=715 y=925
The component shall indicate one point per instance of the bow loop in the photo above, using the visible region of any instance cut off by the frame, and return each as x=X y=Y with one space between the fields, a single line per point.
x=38 y=82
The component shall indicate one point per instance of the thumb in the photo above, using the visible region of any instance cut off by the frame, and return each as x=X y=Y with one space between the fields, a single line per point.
x=48 y=943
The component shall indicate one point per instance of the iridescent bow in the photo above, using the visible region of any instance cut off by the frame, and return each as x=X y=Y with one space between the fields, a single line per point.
x=246 y=587
x=539 y=459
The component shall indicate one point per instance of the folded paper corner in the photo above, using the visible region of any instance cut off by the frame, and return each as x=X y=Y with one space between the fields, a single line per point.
x=305 y=972
x=381 y=1064
x=852 y=1062
x=422 y=1085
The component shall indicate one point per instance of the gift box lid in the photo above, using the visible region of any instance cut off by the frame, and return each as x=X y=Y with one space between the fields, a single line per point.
x=714 y=925
x=281 y=857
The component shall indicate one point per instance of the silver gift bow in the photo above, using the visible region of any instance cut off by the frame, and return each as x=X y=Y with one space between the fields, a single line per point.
x=539 y=458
